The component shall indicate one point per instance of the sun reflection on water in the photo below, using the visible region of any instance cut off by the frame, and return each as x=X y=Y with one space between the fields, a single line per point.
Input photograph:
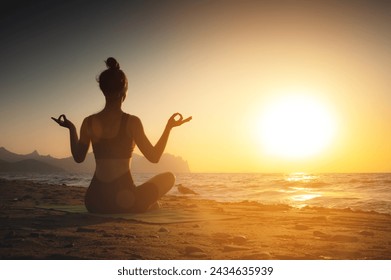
x=301 y=177
x=301 y=193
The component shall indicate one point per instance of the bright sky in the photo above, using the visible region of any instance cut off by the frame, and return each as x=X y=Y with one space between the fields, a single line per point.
x=231 y=65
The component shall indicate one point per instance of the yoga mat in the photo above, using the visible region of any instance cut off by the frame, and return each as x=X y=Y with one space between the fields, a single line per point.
x=160 y=216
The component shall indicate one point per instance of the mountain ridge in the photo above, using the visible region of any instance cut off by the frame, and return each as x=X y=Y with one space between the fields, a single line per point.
x=30 y=166
x=10 y=161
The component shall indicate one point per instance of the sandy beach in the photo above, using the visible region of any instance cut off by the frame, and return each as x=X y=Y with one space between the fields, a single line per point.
x=204 y=229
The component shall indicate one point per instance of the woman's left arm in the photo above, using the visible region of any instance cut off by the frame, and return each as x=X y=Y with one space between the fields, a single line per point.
x=79 y=147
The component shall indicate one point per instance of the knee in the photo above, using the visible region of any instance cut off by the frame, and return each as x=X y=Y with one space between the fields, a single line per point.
x=169 y=178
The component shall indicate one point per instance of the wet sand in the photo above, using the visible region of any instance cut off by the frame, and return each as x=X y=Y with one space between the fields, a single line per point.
x=245 y=230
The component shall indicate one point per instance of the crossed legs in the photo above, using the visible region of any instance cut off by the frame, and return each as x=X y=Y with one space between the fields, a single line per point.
x=120 y=196
x=151 y=191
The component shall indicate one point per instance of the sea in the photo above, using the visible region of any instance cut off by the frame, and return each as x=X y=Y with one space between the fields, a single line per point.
x=355 y=191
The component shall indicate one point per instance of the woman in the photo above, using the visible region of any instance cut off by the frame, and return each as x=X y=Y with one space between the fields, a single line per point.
x=113 y=135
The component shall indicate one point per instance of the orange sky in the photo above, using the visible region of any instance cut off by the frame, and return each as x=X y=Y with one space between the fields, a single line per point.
x=222 y=62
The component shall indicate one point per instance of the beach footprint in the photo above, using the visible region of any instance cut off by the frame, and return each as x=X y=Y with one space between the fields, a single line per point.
x=321 y=235
x=195 y=252
x=301 y=227
x=344 y=238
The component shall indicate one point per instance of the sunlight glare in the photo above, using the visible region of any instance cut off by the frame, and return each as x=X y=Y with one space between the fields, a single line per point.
x=296 y=127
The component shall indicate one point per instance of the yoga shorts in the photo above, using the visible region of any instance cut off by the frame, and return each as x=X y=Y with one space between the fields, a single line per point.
x=120 y=196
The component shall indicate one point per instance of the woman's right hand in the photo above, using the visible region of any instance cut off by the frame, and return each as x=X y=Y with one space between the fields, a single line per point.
x=63 y=121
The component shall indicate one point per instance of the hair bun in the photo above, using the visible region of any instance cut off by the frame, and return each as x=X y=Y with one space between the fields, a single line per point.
x=111 y=63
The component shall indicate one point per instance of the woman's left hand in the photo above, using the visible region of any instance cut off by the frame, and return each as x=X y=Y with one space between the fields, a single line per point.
x=173 y=122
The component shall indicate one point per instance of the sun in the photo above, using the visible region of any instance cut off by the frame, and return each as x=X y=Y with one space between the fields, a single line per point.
x=296 y=127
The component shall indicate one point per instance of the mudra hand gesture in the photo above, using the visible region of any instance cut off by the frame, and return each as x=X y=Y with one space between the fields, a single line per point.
x=174 y=121
x=63 y=121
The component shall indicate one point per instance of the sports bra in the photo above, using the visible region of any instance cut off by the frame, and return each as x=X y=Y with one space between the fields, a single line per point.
x=120 y=146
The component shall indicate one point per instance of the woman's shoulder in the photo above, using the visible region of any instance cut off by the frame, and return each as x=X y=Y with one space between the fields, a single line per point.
x=88 y=119
x=132 y=118
x=133 y=123
x=91 y=116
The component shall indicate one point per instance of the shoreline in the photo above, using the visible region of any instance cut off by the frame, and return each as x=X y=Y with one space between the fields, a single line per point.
x=323 y=192
x=239 y=230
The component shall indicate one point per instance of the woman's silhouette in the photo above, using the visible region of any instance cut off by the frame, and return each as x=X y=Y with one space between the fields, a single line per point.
x=113 y=135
